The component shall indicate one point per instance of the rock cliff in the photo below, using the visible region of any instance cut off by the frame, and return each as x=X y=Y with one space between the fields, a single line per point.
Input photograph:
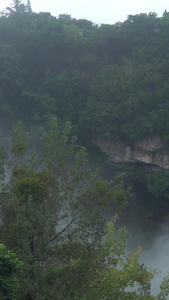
x=149 y=151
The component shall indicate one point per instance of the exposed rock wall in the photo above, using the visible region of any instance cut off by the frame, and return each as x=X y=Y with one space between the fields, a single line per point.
x=149 y=151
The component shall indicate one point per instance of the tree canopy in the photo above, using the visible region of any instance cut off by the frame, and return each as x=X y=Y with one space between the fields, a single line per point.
x=51 y=217
x=111 y=82
x=9 y=264
x=85 y=73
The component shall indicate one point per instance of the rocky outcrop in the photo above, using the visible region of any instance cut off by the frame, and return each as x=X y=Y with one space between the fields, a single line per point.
x=149 y=151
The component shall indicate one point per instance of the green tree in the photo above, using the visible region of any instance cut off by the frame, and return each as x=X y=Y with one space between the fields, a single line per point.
x=157 y=184
x=9 y=264
x=50 y=213
x=18 y=7
x=11 y=87
x=51 y=218
x=123 y=277
x=28 y=7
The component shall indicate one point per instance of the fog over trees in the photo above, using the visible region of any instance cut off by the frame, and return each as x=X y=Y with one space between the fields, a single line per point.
x=65 y=83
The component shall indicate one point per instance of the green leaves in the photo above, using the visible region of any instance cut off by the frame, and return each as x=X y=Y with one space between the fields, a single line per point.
x=51 y=217
x=9 y=264
x=122 y=277
x=20 y=142
x=3 y=157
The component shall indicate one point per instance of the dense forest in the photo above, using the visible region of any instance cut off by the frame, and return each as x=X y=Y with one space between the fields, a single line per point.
x=107 y=80
x=102 y=81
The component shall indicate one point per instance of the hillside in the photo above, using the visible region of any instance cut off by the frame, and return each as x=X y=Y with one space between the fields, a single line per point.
x=110 y=81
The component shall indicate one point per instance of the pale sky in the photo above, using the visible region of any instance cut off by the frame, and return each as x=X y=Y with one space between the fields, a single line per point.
x=97 y=11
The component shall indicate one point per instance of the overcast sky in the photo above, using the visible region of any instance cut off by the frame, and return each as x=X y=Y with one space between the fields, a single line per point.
x=97 y=11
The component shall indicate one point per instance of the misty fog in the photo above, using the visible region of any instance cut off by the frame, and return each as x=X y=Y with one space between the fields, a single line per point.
x=153 y=237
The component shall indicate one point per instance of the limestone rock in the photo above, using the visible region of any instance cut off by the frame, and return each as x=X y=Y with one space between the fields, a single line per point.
x=148 y=151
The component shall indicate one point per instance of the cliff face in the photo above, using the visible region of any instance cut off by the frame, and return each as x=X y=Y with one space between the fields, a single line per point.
x=148 y=151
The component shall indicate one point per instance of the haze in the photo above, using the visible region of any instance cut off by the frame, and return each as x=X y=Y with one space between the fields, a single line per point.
x=97 y=11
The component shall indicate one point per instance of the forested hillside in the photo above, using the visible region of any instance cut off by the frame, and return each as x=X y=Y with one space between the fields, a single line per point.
x=109 y=81
x=73 y=83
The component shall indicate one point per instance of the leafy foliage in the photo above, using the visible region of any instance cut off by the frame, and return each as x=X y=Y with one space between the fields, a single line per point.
x=51 y=217
x=109 y=81
x=9 y=264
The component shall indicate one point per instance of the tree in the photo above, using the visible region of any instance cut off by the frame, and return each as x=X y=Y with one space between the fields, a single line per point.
x=11 y=87
x=51 y=217
x=9 y=264
x=157 y=185
x=123 y=277
x=28 y=7
x=18 y=7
